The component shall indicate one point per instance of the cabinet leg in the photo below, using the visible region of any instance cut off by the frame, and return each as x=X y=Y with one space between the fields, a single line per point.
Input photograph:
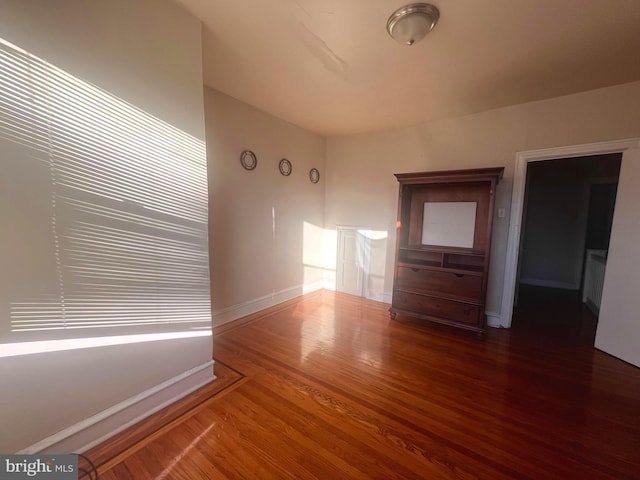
x=392 y=315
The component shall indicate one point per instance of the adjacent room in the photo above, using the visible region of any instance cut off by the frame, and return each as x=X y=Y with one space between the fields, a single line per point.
x=567 y=217
x=320 y=239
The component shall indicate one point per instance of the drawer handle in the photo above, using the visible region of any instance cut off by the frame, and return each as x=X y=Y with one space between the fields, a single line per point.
x=459 y=275
x=415 y=270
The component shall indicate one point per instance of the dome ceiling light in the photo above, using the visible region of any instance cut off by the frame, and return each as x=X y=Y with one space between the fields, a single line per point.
x=409 y=24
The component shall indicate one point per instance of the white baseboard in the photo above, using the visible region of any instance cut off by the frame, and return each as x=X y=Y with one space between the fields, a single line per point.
x=94 y=430
x=234 y=312
x=313 y=286
x=550 y=283
x=493 y=319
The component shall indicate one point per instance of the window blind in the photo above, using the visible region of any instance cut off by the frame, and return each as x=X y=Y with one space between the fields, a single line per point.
x=112 y=203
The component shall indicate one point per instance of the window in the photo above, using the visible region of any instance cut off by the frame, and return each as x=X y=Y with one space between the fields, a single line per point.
x=104 y=212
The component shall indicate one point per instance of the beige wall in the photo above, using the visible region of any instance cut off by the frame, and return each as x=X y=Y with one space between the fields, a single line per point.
x=266 y=236
x=361 y=189
x=147 y=53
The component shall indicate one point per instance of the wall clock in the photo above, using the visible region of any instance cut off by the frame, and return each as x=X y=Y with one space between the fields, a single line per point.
x=248 y=160
x=314 y=175
x=285 y=167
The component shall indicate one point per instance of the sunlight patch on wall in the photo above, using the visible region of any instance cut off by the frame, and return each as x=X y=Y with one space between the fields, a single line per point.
x=317 y=272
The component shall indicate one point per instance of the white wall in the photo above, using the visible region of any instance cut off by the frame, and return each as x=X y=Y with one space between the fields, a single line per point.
x=146 y=53
x=361 y=189
x=265 y=229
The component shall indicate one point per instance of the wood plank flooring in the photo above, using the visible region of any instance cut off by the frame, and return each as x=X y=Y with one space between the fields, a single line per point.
x=333 y=389
x=554 y=314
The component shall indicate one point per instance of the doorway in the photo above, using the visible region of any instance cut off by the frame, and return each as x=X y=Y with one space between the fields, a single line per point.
x=630 y=149
x=618 y=328
x=567 y=218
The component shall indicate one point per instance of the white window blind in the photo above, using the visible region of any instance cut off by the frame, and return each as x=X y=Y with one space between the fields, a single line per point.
x=104 y=211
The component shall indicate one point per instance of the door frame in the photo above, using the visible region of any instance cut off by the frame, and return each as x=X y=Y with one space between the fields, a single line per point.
x=517 y=201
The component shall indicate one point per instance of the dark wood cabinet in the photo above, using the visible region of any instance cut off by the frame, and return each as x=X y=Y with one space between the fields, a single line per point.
x=443 y=245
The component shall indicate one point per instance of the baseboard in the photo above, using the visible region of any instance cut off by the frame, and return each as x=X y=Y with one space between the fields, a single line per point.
x=493 y=319
x=94 y=430
x=536 y=282
x=314 y=286
x=240 y=310
x=595 y=309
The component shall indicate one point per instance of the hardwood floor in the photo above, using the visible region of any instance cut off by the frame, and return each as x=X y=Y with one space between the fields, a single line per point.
x=333 y=389
x=552 y=314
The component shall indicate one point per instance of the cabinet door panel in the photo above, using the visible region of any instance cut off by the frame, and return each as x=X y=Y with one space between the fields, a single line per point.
x=438 y=307
x=443 y=283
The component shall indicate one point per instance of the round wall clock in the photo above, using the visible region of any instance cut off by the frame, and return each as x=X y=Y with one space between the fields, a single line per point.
x=248 y=160
x=285 y=167
x=314 y=175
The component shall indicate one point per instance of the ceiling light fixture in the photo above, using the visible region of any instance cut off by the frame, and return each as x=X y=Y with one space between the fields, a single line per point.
x=409 y=24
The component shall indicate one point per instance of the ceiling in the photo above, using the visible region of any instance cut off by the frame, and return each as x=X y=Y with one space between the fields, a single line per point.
x=330 y=67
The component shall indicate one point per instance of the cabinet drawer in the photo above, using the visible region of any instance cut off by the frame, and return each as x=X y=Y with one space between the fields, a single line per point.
x=445 y=283
x=437 y=307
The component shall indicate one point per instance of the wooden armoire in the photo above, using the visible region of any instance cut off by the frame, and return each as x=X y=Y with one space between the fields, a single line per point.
x=443 y=246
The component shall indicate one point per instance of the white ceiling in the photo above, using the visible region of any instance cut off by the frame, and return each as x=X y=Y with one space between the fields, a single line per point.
x=330 y=67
